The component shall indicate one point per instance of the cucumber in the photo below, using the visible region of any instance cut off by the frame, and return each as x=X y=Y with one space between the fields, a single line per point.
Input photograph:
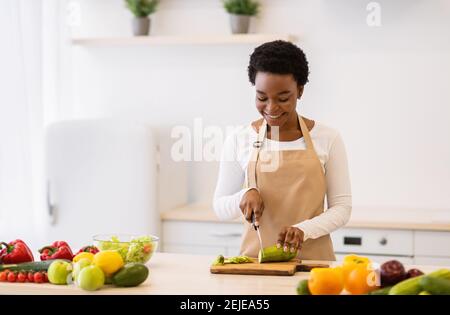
x=441 y=273
x=273 y=253
x=435 y=286
x=412 y=286
x=30 y=266
x=131 y=275
x=219 y=261
x=237 y=260
x=302 y=288
x=383 y=291
x=407 y=287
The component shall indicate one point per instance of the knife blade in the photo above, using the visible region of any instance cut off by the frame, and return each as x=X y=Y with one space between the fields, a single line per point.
x=257 y=232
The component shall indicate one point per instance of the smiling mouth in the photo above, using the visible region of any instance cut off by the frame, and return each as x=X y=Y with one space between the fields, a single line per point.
x=274 y=116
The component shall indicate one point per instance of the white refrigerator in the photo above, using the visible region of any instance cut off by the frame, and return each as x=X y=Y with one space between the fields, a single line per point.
x=101 y=179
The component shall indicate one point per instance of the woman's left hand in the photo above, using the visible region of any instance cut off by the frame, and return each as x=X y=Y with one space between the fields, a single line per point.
x=290 y=238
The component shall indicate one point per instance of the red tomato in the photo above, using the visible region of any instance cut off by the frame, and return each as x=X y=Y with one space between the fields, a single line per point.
x=3 y=276
x=38 y=277
x=11 y=277
x=45 y=277
x=21 y=277
x=30 y=276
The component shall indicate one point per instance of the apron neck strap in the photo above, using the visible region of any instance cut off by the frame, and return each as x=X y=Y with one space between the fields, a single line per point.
x=261 y=134
x=305 y=133
x=263 y=131
x=251 y=179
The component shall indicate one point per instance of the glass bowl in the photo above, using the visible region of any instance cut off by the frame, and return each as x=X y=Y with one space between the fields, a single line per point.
x=132 y=248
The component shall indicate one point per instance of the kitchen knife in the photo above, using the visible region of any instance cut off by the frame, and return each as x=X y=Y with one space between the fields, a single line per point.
x=258 y=232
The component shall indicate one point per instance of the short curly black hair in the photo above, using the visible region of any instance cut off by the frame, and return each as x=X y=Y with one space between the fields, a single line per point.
x=280 y=57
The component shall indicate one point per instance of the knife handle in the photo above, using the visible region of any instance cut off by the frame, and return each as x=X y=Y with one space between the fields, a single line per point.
x=253 y=221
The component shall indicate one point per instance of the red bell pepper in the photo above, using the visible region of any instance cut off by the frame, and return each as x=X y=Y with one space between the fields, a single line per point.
x=88 y=249
x=15 y=252
x=57 y=250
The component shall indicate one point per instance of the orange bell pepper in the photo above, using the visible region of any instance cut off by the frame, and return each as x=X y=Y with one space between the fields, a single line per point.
x=361 y=280
x=326 y=281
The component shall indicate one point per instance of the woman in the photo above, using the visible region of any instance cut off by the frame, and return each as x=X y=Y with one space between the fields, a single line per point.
x=280 y=168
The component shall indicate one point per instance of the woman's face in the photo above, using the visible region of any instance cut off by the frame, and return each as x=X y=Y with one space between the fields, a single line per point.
x=276 y=97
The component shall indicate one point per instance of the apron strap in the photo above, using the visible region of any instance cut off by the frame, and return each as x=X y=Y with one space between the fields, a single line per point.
x=305 y=132
x=251 y=174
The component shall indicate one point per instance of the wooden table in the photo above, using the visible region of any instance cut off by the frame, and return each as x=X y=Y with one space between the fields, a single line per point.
x=183 y=274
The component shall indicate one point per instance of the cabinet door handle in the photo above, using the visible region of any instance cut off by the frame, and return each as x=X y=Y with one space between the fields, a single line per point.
x=383 y=241
x=226 y=234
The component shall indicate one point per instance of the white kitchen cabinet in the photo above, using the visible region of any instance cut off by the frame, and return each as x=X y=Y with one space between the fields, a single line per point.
x=433 y=261
x=201 y=237
x=201 y=250
x=194 y=250
x=428 y=243
x=380 y=245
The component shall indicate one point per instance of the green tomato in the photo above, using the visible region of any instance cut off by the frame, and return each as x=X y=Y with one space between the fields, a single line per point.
x=60 y=272
x=79 y=265
x=91 y=278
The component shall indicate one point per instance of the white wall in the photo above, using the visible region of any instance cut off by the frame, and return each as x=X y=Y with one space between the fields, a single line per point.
x=22 y=193
x=385 y=88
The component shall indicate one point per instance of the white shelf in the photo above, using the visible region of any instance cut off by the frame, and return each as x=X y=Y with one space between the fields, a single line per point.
x=182 y=40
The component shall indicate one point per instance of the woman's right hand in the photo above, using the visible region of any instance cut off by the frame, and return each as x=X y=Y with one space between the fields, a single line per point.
x=252 y=203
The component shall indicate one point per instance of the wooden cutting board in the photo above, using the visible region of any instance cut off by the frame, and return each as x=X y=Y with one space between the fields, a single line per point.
x=288 y=268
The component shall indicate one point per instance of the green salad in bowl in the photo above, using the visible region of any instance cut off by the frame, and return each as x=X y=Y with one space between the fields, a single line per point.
x=132 y=248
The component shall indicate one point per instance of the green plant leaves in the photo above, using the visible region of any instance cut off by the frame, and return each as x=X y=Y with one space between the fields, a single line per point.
x=142 y=8
x=242 y=7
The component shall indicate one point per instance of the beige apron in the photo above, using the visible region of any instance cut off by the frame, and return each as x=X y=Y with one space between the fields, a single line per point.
x=292 y=192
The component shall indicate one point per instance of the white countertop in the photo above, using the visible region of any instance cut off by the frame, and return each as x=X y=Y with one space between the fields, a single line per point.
x=184 y=274
x=362 y=217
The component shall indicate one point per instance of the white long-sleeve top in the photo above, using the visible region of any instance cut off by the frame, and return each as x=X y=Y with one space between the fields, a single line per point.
x=330 y=149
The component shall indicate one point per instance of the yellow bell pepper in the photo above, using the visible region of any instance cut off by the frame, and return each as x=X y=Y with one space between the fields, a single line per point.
x=353 y=261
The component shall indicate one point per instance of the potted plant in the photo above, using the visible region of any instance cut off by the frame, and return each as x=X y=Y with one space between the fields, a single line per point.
x=141 y=9
x=240 y=13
